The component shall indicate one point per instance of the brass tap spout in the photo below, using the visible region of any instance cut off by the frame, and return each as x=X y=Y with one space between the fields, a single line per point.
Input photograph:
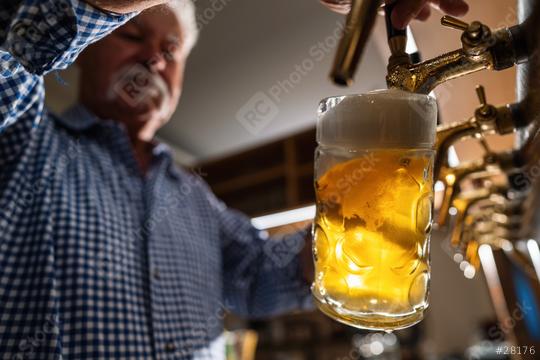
x=487 y=119
x=464 y=202
x=451 y=178
x=471 y=253
x=424 y=77
x=482 y=49
x=447 y=135
x=492 y=164
x=482 y=223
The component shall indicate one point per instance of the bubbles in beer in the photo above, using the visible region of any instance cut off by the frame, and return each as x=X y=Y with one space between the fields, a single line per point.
x=371 y=236
x=349 y=253
x=404 y=162
x=336 y=287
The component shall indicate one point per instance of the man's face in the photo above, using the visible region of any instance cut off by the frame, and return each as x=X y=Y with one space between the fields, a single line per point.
x=135 y=74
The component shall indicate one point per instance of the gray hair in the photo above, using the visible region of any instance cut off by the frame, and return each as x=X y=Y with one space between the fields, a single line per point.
x=186 y=12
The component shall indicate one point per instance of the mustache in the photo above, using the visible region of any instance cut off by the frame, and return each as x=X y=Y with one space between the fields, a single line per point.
x=139 y=87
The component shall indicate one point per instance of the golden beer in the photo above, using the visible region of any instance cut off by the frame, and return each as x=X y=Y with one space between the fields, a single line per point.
x=372 y=232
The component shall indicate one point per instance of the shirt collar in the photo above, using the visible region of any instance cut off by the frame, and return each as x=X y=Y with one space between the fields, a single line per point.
x=79 y=118
x=164 y=152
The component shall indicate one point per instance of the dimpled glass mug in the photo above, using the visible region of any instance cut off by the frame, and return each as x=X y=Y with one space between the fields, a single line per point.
x=374 y=189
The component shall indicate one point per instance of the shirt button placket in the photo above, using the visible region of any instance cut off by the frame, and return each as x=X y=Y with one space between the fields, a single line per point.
x=156 y=275
x=170 y=347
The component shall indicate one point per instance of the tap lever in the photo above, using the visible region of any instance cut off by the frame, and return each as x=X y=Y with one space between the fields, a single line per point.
x=481 y=93
x=486 y=114
x=392 y=31
x=452 y=178
x=397 y=40
x=452 y=22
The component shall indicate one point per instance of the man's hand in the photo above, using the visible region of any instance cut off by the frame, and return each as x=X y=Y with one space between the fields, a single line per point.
x=124 y=6
x=406 y=10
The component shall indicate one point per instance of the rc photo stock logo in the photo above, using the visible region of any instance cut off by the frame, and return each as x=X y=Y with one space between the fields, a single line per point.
x=132 y=84
x=257 y=113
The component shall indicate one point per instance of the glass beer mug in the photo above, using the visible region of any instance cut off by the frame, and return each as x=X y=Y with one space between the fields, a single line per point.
x=374 y=189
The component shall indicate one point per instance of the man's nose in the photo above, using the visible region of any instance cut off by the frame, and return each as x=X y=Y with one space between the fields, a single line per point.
x=155 y=60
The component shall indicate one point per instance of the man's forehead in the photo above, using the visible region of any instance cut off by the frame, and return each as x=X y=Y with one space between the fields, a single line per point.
x=163 y=10
x=181 y=15
x=158 y=19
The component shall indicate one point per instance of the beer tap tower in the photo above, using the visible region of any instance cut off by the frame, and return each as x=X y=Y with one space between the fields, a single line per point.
x=496 y=224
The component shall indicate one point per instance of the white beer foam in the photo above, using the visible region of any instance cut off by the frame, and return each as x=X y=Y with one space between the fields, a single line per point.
x=382 y=118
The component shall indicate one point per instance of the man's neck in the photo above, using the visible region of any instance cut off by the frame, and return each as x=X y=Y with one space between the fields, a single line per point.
x=139 y=136
x=142 y=150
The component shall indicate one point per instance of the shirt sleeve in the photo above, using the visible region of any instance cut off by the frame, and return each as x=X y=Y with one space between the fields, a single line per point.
x=262 y=275
x=43 y=36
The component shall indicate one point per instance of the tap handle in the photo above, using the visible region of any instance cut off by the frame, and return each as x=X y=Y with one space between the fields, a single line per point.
x=485 y=113
x=451 y=189
x=392 y=31
x=452 y=22
x=481 y=93
x=397 y=38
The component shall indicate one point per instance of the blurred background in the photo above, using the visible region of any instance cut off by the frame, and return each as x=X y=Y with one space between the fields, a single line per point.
x=275 y=56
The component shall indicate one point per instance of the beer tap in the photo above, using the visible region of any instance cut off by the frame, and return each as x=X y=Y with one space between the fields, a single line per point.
x=507 y=219
x=508 y=213
x=452 y=178
x=482 y=228
x=492 y=164
x=487 y=119
x=499 y=218
x=485 y=230
x=477 y=227
x=462 y=204
x=498 y=239
x=497 y=223
x=471 y=253
x=465 y=201
x=481 y=49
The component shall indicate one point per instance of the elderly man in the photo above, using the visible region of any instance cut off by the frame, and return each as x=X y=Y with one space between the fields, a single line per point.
x=107 y=249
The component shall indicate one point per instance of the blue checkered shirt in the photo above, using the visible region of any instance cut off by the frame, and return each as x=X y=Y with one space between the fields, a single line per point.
x=96 y=260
